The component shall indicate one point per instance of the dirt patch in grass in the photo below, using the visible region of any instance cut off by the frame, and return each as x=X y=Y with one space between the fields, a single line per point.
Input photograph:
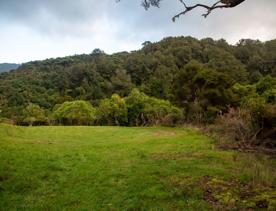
x=177 y=156
x=236 y=195
x=165 y=133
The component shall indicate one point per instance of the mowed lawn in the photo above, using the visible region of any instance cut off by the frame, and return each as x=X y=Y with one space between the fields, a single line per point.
x=120 y=168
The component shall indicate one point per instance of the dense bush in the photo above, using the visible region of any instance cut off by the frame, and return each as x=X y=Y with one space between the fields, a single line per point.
x=158 y=112
x=205 y=93
x=236 y=125
x=137 y=109
x=254 y=121
x=75 y=113
x=268 y=133
x=33 y=114
x=112 y=111
x=145 y=110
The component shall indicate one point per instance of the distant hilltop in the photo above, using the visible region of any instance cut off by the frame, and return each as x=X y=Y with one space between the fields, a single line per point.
x=5 y=67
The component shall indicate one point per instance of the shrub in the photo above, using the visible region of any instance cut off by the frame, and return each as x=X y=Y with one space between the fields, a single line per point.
x=195 y=112
x=146 y=110
x=269 y=127
x=33 y=114
x=156 y=111
x=75 y=113
x=4 y=120
x=112 y=111
x=172 y=119
x=236 y=125
x=135 y=102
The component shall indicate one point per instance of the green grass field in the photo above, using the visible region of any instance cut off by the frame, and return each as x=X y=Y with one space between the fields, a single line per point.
x=117 y=168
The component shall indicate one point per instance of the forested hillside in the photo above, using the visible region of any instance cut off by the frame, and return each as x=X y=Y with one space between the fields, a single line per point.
x=199 y=80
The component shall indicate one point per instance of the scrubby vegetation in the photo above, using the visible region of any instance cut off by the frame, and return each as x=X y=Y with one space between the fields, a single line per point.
x=173 y=81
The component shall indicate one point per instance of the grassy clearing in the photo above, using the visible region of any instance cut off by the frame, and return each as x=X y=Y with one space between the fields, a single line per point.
x=116 y=168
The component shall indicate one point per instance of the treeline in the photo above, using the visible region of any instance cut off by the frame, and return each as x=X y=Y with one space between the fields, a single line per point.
x=204 y=79
x=137 y=109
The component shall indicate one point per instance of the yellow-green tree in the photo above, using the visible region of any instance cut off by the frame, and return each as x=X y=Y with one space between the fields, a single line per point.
x=75 y=113
x=113 y=111
x=34 y=115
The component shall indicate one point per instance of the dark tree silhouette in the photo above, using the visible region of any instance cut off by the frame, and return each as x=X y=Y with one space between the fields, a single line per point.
x=219 y=4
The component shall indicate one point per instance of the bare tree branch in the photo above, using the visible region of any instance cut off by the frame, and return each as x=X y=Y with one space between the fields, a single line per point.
x=219 y=4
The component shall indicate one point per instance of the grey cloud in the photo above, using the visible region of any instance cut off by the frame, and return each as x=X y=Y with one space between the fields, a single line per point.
x=61 y=9
x=98 y=22
x=77 y=17
x=52 y=15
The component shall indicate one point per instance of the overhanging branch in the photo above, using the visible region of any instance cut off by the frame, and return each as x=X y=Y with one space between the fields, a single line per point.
x=219 y=4
x=208 y=8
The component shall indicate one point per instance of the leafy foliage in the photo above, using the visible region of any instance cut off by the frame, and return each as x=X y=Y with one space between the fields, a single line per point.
x=145 y=110
x=75 y=112
x=113 y=111
x=34 y=114
x=203 y=78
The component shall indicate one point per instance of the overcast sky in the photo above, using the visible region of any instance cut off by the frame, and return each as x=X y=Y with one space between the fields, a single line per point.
x=40 y=29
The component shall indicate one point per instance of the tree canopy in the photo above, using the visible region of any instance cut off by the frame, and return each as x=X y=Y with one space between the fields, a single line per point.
x=75 y=113
x=176 y=79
